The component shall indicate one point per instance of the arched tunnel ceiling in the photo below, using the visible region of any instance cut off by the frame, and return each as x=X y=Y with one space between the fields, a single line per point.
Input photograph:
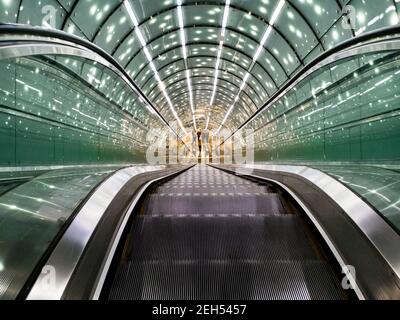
x=269 y=39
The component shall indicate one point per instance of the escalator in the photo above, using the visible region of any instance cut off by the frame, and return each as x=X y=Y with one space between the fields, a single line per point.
x=207 y=234
x=113 y=227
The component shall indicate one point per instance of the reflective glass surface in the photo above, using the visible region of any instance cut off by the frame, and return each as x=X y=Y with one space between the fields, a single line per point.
x=58 y=110
x=379 y=187
x=11 y=179
x=346 y=111
x=32 y=214
x=303 y=30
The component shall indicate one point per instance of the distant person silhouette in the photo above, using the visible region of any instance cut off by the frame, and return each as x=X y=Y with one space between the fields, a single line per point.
x=199 y=142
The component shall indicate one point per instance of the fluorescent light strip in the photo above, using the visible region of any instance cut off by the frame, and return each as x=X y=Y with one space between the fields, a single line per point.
x=29 y=87
x=246 y=77
x=182 y=32
x=190 y=90
x=216 y=73
x=153 y=68
x=225 y=17
x=208 y=120
x=184 y=54
x=147 y=54
x=262 y=43
x=220 y=48
x=140 y=36
x=131 y=13
x=264 y=39
x=277 y=12
x=226 y=117
x=267 y=33
x=219 y=54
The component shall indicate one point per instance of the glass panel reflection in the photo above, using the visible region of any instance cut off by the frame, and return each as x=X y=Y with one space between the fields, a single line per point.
x=347 y=111
x=65 y=110
x=378 y=186
x=32 y=214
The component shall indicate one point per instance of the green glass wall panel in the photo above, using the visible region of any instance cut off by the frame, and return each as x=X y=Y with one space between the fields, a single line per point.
x=348 y=111
x=57 y=110
x=381 y=139
x=33 y=213
x=7 y=139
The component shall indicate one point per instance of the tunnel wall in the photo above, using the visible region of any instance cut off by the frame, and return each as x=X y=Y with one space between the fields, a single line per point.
x=348 y=111
x=50 y=114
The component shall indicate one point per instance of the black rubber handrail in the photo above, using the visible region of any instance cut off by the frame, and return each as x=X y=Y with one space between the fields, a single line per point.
x=377 y=34
x=22 y=29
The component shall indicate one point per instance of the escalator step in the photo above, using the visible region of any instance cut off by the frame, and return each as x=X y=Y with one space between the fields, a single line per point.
x=193 y=280
x=213 y=188
x=234 y=238
x=200 y=203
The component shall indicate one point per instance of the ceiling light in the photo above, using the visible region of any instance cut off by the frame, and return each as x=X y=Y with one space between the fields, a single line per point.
x=140 y=36
x=264 y=39
x=184 y=54
x=219 y=54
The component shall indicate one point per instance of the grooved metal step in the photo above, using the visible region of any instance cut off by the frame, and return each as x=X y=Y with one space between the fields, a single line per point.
x=212 y=188
x=219 y=238
x=205 y=203
x=221 y=279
